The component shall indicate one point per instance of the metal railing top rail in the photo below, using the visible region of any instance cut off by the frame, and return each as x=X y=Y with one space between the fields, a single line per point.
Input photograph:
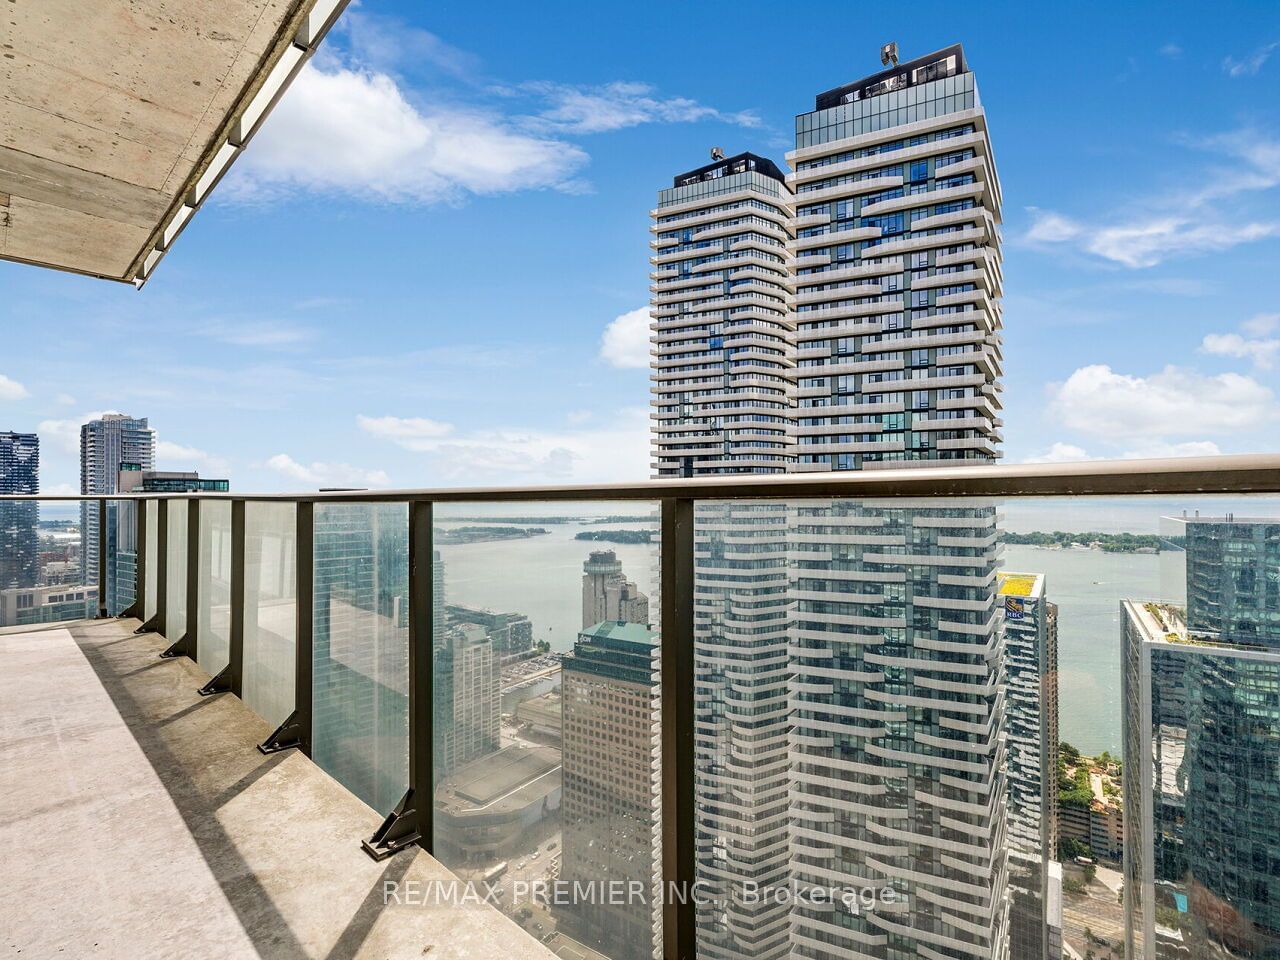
x=1234 y=474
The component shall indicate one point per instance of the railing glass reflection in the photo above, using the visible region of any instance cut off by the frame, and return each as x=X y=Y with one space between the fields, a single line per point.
x=213 y=587
x=547 y=675
x=151 y=560
x=360 y=648
x=270 y=609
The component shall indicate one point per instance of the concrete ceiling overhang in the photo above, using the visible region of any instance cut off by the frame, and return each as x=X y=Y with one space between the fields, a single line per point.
x=118 y=118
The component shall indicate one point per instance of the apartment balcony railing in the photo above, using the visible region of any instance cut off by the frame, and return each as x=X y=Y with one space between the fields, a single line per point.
x=313 y=607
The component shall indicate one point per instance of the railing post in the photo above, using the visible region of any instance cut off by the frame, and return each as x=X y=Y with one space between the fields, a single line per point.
x=296 y=729
x=412 y=820
x=677 y=713
x=102 y=558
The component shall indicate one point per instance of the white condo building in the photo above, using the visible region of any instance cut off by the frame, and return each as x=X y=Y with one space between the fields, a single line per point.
x=105 y=444
x=722 y=329
x=723 y=358
x=850 y=655
x=897 y=706
x=897 y=271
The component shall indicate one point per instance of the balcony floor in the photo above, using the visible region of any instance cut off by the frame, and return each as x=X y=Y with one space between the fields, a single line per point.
x=138 y=819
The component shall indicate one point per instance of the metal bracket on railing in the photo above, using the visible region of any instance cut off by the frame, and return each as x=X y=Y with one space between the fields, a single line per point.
x=286 y=736
x=398 y=831
x=219 y=684
x=154 y=625
x=176 y=649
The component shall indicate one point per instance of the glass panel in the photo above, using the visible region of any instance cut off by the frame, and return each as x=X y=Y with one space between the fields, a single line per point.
x=361 y=649
x=213 y=630
x=959 y=731
x=546 y=717
x=40 y=549
x=270 y=609
x=122 y=555
x=175 y=605
x=152 y=559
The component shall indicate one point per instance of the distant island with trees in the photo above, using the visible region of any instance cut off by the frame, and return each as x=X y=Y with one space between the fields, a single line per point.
x=616 y=518
x=617 y=536
x=1107 y=542
x=458 y=535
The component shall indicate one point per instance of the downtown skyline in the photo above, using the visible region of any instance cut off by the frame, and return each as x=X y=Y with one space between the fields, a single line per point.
x=810 y=710
x=1130 y=234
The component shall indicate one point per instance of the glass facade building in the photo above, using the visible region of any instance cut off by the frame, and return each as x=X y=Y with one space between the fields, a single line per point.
x=1202 y=778
x=105 y=446
x=1233 y=579
x=19 y=522
x=1202 y=750
x=1031 y=664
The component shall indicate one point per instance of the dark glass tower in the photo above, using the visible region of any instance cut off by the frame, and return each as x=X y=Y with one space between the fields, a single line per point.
x=19 y=543
x=1233 y=579
x=1202 y=751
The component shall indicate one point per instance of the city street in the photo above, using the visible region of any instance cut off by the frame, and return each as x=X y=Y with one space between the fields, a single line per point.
x=1098 y=910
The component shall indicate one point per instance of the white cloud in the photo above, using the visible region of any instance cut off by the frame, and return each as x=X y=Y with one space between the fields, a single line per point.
x=614 y=448
x=1250 y=65
x=1190 y=448
x=1161 y=228
x=12 y=389
x=412 y=433
x=65 y=400
x=327 y=474
x=1050 y=227
x=354 y=131
x=1061 y=453
x=65 y=434
x=1262 y=324
x=1145 y=242
x=1136 y=412
x=625 y=342
x=386 y=42
x=1261 y=350
x=1263 y=353
x=1171 y=50
x=174 y=456
x=1149 y=243
x=1070 y=453
x=262 y=333
x=613 y=106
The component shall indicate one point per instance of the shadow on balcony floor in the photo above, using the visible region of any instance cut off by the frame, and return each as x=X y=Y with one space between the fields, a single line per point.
x=139 y=820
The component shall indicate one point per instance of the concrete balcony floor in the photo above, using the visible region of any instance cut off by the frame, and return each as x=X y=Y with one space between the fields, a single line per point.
x=138 y=819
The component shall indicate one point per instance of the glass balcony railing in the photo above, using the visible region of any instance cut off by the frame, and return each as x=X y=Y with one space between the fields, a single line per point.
x=950 y=713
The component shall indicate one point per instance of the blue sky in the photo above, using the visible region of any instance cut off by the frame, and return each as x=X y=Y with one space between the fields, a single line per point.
x=427 y=269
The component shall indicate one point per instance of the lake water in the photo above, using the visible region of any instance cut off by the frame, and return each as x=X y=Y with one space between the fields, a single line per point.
x=541 y=577
x=1087 y=586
